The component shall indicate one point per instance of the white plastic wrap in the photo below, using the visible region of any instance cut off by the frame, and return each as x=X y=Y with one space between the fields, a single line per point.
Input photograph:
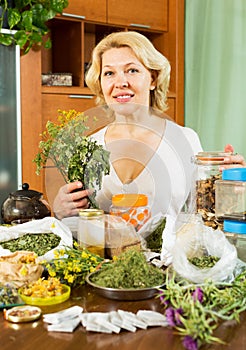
x=48 y=224
x=194 y=240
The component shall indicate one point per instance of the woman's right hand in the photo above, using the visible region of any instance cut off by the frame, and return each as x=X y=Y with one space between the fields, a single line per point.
x=70 y=199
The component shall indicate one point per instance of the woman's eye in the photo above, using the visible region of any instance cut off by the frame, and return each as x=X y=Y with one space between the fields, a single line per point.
x=107 y=73
x=132 y=70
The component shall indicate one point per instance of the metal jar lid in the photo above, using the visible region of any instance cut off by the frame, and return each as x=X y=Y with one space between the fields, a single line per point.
x=90 y=213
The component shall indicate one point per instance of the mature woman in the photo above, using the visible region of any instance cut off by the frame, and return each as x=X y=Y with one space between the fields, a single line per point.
x=149 y=153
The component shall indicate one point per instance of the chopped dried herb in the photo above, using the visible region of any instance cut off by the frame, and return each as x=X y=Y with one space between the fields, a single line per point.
x=129 y=270
x=204 y=262
x=8 y=295
x=154 y=240
x=39 y=243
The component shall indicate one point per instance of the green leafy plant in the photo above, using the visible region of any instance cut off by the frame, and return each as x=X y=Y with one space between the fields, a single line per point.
x=28 y=18
x=196 y=310
x=75 y=154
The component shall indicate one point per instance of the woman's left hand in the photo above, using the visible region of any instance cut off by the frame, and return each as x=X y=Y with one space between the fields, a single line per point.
x=233 y=160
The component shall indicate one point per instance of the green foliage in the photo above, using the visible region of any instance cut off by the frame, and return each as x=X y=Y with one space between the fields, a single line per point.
x=76 y=155
x=29 y=18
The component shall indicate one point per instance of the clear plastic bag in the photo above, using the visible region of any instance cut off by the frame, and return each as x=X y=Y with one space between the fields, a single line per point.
x=119 y=236
x=194 y=239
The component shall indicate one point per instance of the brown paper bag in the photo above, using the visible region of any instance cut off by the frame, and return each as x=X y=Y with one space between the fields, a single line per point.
x=19 y=268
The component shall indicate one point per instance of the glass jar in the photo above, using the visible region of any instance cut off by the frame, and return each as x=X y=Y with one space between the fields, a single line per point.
x=235 y=232
x=208 y=171
x=230 y=198
x=131 y=207
x=91 y=232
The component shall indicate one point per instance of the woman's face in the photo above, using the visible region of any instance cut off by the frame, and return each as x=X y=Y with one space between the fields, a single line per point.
x=124 y=79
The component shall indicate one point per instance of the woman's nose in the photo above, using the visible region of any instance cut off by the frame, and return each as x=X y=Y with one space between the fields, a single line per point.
x=121 y=82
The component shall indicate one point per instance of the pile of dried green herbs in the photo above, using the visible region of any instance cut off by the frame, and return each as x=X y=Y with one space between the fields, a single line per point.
x=129 y=270
x=154 y=240
x=39 y=243
x=196 y=310
x=204 y=262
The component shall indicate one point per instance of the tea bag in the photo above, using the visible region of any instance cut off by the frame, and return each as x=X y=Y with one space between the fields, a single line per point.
x=117 y=320
x=67 y=326
x=152 y=318
x=133 y=319
x=64 y=315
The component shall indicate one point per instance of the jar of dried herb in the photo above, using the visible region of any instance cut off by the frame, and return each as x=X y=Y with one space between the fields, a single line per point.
x=208 y=171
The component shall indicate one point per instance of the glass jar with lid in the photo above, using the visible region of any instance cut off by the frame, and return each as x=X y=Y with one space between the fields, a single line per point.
x=131 y=207
x=207 y=172
x=230 y=196
x=91 y=231
x=235 y=232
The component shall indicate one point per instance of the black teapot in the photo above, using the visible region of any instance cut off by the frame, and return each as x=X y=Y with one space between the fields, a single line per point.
x=24 y=205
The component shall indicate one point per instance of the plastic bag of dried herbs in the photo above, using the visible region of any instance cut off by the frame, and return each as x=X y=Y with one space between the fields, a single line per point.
x=201 y=253
x=42 y=237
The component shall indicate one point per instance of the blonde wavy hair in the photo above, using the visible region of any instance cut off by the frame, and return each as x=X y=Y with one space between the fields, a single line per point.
x=145 y=52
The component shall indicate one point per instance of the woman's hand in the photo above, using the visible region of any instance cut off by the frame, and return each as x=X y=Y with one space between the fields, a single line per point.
x=69 y=200
x=234 y=160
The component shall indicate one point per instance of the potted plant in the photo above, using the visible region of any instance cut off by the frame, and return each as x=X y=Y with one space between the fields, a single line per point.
x=28 y=20
x=74 y=153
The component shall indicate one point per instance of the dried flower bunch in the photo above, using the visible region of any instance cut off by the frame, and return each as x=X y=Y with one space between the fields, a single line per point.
x=196 y=310
x=73 y=152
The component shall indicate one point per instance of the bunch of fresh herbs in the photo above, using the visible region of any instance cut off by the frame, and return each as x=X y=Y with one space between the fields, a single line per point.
x=71 y=265
x=76 y=155
x=196 y=310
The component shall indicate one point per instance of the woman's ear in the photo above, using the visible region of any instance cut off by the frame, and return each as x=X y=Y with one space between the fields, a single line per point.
x=154 y=76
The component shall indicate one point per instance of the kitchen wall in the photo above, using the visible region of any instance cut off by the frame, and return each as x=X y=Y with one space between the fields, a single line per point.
x=215 y=72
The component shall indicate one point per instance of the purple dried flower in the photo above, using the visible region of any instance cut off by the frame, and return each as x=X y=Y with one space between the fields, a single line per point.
x=170 y=315
x=198 y=295
x=189 y=343
x=177 y=313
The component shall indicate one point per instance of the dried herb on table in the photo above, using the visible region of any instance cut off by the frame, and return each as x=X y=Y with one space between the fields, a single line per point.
x=129 y=270
x=8 y=295
x=39 y=243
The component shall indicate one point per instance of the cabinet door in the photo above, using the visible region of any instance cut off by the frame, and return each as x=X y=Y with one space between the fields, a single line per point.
x=81 y=103
x=94 y=10
x=139 y=13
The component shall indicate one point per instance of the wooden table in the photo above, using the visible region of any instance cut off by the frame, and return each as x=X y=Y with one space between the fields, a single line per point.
x=34 y=336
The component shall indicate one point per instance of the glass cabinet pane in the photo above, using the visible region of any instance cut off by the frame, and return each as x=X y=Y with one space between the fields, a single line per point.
x=10 y=126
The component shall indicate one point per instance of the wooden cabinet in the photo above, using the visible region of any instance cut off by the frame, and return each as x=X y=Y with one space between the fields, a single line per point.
x=139 y=14
x=74 y=35
x=94 y=10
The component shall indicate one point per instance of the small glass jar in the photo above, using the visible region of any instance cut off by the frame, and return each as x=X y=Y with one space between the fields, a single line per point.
x=230 y=195
x=91 y=231
x=235 y=232
x=208 y=171
x=131 y=207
